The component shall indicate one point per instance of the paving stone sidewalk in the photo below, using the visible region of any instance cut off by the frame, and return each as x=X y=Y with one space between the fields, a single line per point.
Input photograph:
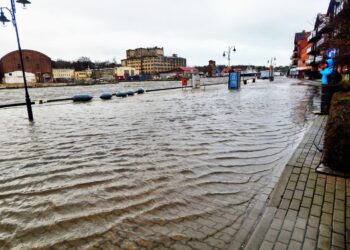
x=307 y=210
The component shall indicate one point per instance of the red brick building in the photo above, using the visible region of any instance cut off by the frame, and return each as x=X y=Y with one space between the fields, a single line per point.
x=34 y=62
x=300 y=54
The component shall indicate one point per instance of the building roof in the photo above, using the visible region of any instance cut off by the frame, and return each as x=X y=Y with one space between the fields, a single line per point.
x=24 y=51
x=146 y=48
x=299 y=36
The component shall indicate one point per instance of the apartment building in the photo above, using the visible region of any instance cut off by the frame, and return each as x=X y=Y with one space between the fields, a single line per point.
x=151 y=61
x=63 y=74
x=331 y=31
x=299 y=58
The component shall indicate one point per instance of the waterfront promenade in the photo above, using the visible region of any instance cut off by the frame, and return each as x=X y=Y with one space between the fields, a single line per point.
x=164 y=170
x=307 y=210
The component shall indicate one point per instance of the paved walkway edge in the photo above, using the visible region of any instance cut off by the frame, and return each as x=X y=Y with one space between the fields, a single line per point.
x=306 y=209
x=274 y=200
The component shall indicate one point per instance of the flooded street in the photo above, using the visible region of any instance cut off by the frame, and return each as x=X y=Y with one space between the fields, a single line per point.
x=171 y=169
x=10 y=96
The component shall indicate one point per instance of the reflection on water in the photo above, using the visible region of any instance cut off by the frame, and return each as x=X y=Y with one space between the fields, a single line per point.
x=164 y=169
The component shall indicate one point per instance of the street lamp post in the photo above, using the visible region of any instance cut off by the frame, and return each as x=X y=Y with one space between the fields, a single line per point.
x=4 y=20
x=270 y=62
x=228 y=53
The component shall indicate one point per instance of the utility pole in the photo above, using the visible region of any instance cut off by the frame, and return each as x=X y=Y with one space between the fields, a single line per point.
x=4 y=20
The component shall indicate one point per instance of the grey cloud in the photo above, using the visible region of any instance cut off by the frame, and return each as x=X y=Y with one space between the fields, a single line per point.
x=197 y=29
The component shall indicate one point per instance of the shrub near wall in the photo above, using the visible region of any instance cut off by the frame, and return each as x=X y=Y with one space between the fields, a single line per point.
x=337 y=135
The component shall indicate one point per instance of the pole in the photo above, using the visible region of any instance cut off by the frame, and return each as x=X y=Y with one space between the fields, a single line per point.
x=229 y=57
x=28 y=101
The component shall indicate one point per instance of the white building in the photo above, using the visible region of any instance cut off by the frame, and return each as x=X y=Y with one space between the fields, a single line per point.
x=17 y=77
x=126 y=71
x=63 y=74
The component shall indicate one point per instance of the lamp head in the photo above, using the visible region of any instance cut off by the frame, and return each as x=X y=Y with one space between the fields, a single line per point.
x=3 y=18
x=24 y=2
x=234 y=49
x=224 y=54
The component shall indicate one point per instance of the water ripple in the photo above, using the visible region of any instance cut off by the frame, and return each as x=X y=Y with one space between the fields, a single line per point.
x=151 y=169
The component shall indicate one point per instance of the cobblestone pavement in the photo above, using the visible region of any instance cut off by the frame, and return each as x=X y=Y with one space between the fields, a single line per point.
x=307 y=210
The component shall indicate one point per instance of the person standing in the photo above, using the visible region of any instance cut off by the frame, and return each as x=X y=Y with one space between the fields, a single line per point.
x=329 y=78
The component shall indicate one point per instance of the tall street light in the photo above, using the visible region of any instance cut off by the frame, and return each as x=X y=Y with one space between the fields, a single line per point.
x=4 y=20
x=228 y=53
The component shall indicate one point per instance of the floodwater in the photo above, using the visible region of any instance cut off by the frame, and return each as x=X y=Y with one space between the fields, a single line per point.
x=162 y=170
x=11 y=96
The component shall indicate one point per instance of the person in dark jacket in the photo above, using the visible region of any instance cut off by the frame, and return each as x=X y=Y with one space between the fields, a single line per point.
x=330 y=76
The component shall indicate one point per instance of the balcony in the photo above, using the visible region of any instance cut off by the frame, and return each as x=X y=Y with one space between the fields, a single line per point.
x=312 y=37
x=320 y=42
x=294 y=55
x=311 y=51
x=309 y=62
x=340 y=8
x=294 y=62
x=318 y=59
x=323 y=25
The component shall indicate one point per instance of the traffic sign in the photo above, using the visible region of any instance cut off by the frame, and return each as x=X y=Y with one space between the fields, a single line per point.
x=332 y=53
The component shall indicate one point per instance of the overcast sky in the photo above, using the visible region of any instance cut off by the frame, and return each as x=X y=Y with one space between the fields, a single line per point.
x=198 y=30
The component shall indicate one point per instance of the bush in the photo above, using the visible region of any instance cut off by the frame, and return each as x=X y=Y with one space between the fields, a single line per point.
x=337 y=134
x=345 y=86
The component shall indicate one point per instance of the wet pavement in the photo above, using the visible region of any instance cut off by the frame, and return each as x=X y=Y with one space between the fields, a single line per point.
x=308 y=209
x=165 y=170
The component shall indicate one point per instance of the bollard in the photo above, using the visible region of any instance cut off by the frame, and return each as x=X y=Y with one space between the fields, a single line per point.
x=40 y=101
